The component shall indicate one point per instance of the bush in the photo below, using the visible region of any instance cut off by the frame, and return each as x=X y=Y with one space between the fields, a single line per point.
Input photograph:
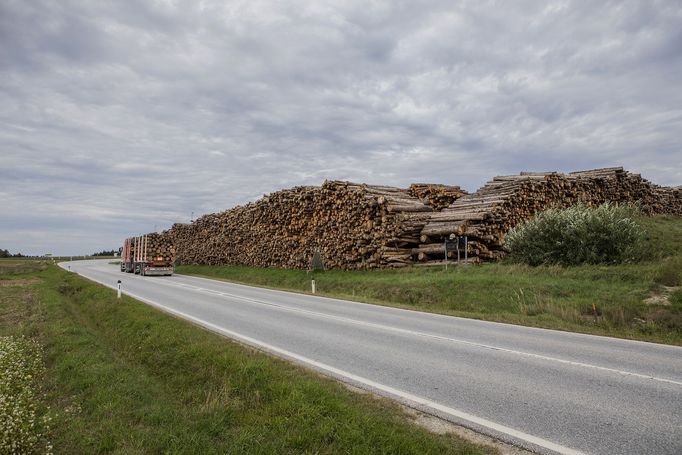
x=608 y=234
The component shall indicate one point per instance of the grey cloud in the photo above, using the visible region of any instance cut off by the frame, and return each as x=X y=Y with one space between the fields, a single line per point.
x=118 y=116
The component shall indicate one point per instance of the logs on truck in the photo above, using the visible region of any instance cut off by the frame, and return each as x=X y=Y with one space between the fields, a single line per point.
x=149 y=254
x=352 y=226
x=488 y=214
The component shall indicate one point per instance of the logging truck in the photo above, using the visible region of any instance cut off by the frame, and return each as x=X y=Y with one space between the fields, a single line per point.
x=140 y=256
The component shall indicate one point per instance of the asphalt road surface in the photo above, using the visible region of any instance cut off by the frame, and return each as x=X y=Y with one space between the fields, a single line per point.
x=549 y=391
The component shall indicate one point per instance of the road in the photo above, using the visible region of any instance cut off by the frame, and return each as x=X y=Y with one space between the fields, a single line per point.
x=545 y=390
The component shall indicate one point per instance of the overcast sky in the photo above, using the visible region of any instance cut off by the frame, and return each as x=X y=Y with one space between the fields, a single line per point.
x=120 y=117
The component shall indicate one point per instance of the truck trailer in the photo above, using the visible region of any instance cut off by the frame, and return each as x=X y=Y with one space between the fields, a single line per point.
x=145 y=255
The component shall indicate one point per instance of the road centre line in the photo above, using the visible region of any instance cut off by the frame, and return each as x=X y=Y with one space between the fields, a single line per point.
x=424 y=334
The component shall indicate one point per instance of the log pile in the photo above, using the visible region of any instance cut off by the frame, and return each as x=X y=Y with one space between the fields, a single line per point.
x=352 y=225
x=437 y=197
x=357 y=226
x=487 y=215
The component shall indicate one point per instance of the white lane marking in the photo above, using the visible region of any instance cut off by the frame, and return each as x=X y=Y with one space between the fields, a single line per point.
x=426 y=335
x=353 y=378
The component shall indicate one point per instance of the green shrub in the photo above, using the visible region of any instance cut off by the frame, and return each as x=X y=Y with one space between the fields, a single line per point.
x=608 y=234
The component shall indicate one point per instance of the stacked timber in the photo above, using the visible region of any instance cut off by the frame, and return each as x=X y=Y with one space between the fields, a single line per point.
x=351 y=225
x=436 y=196
x=487 y=215
x=365 y=226
x=157 y=247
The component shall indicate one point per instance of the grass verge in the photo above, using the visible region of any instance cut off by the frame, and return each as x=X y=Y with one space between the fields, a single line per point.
x=122 y=377
x=552 y=297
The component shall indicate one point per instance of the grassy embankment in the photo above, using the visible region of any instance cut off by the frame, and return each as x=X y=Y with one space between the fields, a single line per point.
x=545 y=296
x=122 y=377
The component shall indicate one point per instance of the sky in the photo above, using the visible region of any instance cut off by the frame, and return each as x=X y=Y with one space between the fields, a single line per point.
x=123 y=117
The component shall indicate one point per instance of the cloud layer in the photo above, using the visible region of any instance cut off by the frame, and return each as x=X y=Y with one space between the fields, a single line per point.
x=117 y=118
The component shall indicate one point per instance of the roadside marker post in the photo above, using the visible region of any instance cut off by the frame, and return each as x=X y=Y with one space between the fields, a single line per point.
x=119 y=289
x=312 y=283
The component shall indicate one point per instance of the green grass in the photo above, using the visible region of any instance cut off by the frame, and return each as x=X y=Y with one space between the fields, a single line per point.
x=546 y=296
x=12 y=267
x=123 y=378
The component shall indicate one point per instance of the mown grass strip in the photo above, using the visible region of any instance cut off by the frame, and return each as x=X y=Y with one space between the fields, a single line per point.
x=125 y=378
x=552 y=297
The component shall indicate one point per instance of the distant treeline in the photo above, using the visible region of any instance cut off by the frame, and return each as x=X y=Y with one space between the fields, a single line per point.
x=106 y=253
x=7 y=254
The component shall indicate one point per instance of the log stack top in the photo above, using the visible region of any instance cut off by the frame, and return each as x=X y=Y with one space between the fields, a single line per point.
x=435 y=195
x=605 y=172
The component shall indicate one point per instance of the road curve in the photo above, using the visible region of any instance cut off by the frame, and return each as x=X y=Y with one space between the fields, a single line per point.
x=545 y=390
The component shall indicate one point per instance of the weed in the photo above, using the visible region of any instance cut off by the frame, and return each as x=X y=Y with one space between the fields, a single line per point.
x=621 y=316
x=670 y=272
x=532 y=306
x=667 y=319
x=676 y=298
x=23 y=420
